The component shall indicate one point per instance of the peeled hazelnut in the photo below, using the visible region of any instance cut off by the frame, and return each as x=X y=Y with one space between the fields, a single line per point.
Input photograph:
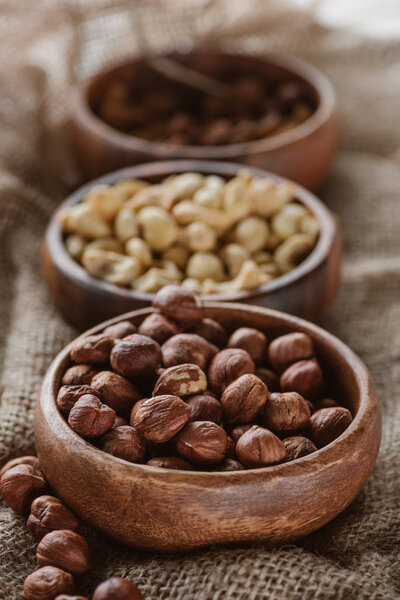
x=116 y=391
x=327 y=424
x=20 y=485
x=21 y=460
x=287 y=412
x=239 y=431
x=288 y=349
x=251 y=340
x=228 y=365
x=120 y=330
x=124 y=442
x=158 y=227
x=298 y=446
x=205 y=265
x=90 y=418
x=158 y=327
x=252 y=233
x=137 y=357
x=270 y=378
x=202 y=443
x=47 y=583
x=68 y=395
x=186 y=348
x=304 y=377
x=181 y=380
x=205 y=408
x=170 y=462
x=179 y=304
x=229 y=464
x=93 y=349
x=64 y=549
x=117 y=588
x=212 y=331
x=160 y=418
x=259 y=447
x=79 y=375
x=49 y=513
x=243 y=399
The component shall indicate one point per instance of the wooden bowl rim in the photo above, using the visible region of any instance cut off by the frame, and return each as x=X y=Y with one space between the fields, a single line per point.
x=64 y=262
x=368 y=403
x=313 y=76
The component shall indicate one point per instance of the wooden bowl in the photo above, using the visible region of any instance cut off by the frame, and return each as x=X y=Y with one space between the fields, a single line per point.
x=307 y=291
x=303 y=154
x=159 y=509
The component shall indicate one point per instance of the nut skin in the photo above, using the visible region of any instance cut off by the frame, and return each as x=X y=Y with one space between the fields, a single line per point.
x=327 y=424
x=181 y=380
x=205 y=408
x=64 y=549
x=117 y=588
x=231 y=449
x=229 y=464
x=202 y=443
x=304 y=377
x=137 y=357
x=92 y=349
x=170 y=462
x=298 y=446
x=228 y=365
x=116 y=391
x=238 y=431
x=79 y=375
x=270 y=378
x=68 y=395
x=186 y=348
x=286 y=413
x=124 y=442
x=259 y=447
x=21 y=460
x=325 y=403
x=48 y=583
x=251 y=340
x=119 y=421
x=160 y=418
x=179 y=304
x=120 y=330
x=212 y=331
x=159 y=327
x=243 y=399
x=49 y=513
x=287 y=349
x=20 y=485
x=90 y=418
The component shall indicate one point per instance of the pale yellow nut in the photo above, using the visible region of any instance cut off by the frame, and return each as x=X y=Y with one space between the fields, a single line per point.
x=126 y=224
x=185 y=185
x=170 y=269
x=152 y=281
x=214 y=182
x=286 y=222
x=187 y=212
x=293 y=251
x=139 y=249
x=309 y=224
x=209 y=197
x=270 y=269
x=236 y=200
x=130 y=187
x=203 y=265
x=153 y=195
x=84 y=220
x=192 y=284
x=250 y=276
x=111 y=266
x=178 y=254
x=262 y=257
x=108 y=243
x=273 y=241
x=252 y=233
x=200 y=237
x=106 y=200
x=268 y=197
x=158 y=227
x=234 y=255
x=75 y=245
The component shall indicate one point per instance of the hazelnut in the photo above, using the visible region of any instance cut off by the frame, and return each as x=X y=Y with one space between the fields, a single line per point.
x=243 y=399
x=259 y=447
x=158 y=327
x=120 y=330
x=119 y=421
x=287 y=349
x=181 y=380
x=229 y=464
x=324 y=403
x=79 y=375
x=228 y=365
x=135 y=409
x=231 y=449
x=68 y=395
x=327 y=424
x=137 y=357
x=20 y=485
x=205 y=408
x=160 y=418
x=170 y=462
x=251 y=340
x=304 y=377
x=238 y=431
x=298 y=446
x=68 y=597
x=47 y=583
x=212 y=331
x=186 y=348
x=116 y=391
x=21 y=460
x=124 y=442
x=270 y=378
x=116 y=587
x=93 y=349
x=90 y=418
x=286 y=413
x=49 y=513
x=179 y=304
x=202 y=443
x=64 y=549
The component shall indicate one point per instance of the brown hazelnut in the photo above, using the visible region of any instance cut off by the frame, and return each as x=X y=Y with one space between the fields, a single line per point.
x=47 y=583
x=68 y=395
x=90 y=418
x=298 y=446
x=68 y=597
x=270 y=378
x=120 y=330
x=251 y=340
x=119 y=421
x=160 y=418
x=170 y=462
x=287 y=349
x=117 y=588
x=205 y=408
x=20 y=485
x=238 y=431
x=231 y=449
x=229 y=464
x=92 y=349
x=286 y=413
x=326 y=403
x=327 y=424
x=243 y=399
x=21 y=460
x=186 y=348
x=259 y=447
x=228 y=365
x=181 y=380
x=212 y=331
x=304 y=377
x=158 y=327
x=49 y=513
x=134 y=410
x=137 y=357
x=179 y=304
x=64 y=549
x=124 y=442
x=79 y=375
x=202 y=443
x=116 y=391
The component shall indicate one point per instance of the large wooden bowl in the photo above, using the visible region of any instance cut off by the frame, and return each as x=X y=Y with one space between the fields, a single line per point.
x=307 y=291
x=178 y=510
x=303 y=154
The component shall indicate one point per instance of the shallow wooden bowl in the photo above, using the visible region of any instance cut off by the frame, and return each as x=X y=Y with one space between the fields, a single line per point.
x=307 y=291
x=161 y=509
x=303 y=154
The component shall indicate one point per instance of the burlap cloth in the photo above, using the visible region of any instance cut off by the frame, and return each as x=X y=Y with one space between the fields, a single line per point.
x=45 y=45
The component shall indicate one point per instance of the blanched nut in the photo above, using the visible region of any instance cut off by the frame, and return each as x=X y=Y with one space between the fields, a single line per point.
x=268 y=197
x=111 y=266
x=185 y=185
x=158 y=227
x=200 y=237
x=293 y=250
x=236 y=200
x=126 y=224
x=252 y=233
x=106 y=200
x=129 y=187
x=204 y=265
x=250 y=276
x=234 y=255
x=286 y=222
x=187 y=212
x=192 y=284
x=153 y=280
x=262 y=257
x=85 y=221
x=152 y=195
x=178 y=255
x=309 y=224
x=75 y=245
x=140 y=250
x=109 y=243
x=209 y=197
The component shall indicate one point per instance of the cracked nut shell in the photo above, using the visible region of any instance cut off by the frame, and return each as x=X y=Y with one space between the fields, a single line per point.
x=252 y=340
x=202 y=443
x=64 y=549
x=243 y=399
x=181 y=380
x=48 y=582
x=90 y=418
x=327 y=424
x=124 y=442
x=49 y=513
x=286 y=413
x=179 y=304
x=288 y=349
x=304 y=377
x=228 y=365
x=139 y=356
x=160 y=418
x=20 y=485
x=259 y=447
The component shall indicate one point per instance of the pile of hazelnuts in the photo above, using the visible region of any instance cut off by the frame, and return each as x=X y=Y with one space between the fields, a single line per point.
x=181 y=392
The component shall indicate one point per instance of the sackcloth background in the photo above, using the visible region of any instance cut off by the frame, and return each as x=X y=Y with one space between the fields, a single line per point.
x=47 y=45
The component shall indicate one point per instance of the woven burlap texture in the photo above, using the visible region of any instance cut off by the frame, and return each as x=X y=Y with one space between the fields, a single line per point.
x=47 y=45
